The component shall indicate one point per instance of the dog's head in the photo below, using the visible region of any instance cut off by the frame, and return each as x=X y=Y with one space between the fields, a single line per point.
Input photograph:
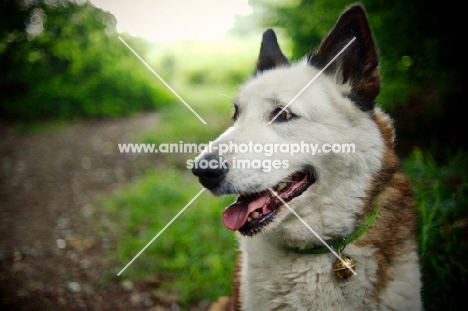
x=326 y=100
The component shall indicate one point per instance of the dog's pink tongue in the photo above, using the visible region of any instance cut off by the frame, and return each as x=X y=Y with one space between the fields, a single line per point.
x=236 y=214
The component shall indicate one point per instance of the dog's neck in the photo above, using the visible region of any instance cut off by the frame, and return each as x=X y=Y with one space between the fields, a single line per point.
x=341 y=243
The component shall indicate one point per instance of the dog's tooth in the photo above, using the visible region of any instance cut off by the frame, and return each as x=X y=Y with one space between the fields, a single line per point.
x=255 y=214
x=249 y=219
x=281 y=186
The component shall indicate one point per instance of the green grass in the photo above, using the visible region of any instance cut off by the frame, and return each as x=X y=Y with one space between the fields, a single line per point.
x=193 y=255
x=441 y=191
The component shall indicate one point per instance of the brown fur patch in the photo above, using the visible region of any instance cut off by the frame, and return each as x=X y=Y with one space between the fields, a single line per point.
x=393 y=233
x=236 y=301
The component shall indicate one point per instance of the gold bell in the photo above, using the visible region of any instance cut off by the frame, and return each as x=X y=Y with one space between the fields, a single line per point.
x=343 y=271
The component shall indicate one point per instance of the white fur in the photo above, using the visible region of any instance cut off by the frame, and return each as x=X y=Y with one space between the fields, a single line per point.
x=272 y=276
x=325 y=116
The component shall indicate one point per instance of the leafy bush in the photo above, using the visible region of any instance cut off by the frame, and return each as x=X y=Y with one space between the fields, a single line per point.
x=69 y=63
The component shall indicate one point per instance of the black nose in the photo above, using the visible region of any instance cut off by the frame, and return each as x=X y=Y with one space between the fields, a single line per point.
x=211 y=170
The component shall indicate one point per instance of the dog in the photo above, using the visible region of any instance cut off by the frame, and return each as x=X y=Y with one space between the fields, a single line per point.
x=358 y=203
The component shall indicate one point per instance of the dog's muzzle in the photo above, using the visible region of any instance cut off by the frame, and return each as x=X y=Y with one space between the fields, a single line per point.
x=210 y=170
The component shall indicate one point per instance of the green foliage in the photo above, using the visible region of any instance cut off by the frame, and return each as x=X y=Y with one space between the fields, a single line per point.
x=441 y=200
x=69 y=63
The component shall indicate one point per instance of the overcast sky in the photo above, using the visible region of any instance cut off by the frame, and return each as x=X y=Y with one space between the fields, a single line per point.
x=163 y=20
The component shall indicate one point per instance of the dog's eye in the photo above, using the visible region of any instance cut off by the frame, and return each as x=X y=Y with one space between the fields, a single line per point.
x=234 y=113
x=283 y=115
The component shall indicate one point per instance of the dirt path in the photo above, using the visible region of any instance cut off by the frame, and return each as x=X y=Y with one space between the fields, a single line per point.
x=50 y=257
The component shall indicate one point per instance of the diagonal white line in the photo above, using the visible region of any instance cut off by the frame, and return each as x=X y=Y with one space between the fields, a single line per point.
x=313 y=231
x=313 y=79
x=162 y=80
x=162 y=230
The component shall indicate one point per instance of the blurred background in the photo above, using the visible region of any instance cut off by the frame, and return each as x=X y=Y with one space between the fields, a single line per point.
x=74 y=210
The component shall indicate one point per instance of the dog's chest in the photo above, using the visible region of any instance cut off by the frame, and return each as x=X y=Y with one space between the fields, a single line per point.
x=273 y=279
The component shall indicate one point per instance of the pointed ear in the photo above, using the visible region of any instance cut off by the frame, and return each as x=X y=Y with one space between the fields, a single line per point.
x=270 y=53
x=359 y=62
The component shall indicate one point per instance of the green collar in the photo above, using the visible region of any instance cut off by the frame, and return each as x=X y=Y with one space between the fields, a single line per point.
x=320 y=249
